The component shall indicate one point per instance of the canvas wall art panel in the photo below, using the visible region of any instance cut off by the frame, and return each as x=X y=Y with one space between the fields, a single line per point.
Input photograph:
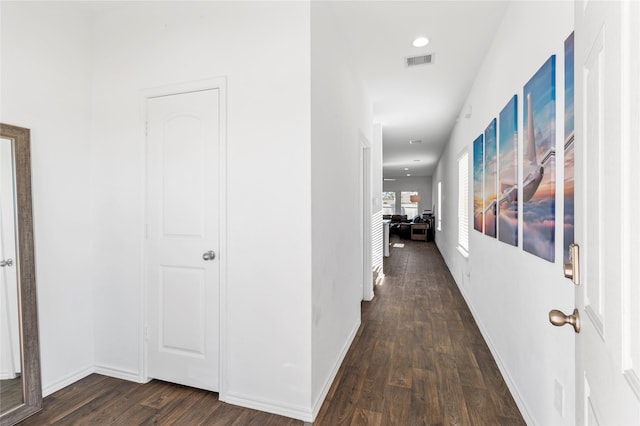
x=539 y=153
x=490 y=178
x=568 y=225
x=478 y=183
x=507 y=205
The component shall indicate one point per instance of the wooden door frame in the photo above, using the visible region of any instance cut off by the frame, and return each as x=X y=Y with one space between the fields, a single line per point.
x=220 y=84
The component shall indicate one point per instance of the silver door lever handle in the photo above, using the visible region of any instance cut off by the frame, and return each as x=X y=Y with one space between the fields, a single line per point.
x=8 y=262
x=210 y=255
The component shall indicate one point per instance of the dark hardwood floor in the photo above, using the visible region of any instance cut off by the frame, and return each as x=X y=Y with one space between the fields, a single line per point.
x=10 y=393
x=418 y=359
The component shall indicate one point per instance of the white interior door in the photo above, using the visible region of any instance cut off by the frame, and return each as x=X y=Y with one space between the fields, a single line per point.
x=183 y=239
x=607 y=195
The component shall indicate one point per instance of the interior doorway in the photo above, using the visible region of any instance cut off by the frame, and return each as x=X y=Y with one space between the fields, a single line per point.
x=183 y=243
x=366 y=223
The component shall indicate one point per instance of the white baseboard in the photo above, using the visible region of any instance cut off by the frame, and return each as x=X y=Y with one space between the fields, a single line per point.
x=8 y=374
x=66 y=381
x=131 y=376
x=325 y=389
x=248 y=401
x=118 y=373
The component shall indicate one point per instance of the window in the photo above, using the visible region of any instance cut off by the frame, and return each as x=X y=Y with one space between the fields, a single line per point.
x=463 y=199
x=439 y=206
x=408 y=207
x=388 y=203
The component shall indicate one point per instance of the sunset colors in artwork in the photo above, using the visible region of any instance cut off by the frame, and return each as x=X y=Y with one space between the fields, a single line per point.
x=490 y=178
x=478 y=183
x=539 y=178
x=508 y=178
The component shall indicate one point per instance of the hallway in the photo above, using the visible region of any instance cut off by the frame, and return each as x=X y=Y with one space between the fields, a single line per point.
x=419 y=357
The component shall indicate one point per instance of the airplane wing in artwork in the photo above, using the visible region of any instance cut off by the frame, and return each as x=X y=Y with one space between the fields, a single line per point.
x=509 y=195
x=531 y=137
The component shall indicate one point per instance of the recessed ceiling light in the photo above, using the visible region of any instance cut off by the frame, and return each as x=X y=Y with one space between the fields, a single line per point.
x=408 y=174
x=406 y=168
x=420 y=42
x=389 y=180
x=415 y=142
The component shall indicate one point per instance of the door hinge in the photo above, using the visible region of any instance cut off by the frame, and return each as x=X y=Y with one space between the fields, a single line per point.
x=146 y=333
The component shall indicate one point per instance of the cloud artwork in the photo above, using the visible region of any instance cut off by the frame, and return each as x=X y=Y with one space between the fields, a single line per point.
x=490 y=179
x=478 y=183
x=538 y=161
x=507 y=206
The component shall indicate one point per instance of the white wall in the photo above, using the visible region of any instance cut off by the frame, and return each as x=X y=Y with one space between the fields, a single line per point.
x=84 y=102
x=509 y=291
x=421 y=184
x=262 y=49
x=45 y=86
x=340 y=116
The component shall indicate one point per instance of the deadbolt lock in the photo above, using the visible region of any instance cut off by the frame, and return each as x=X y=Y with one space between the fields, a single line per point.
x=572 y=269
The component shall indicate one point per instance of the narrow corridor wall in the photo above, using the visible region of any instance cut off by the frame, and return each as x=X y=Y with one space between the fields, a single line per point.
x=509 y=291
x=341 y=125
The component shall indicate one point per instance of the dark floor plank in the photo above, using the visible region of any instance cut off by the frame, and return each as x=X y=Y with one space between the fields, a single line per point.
x=343 y=407
x=401 y=369
x=180 y=402
x=425 y=405
x=86 y=414
x=451 y=397
x=372 y=396
x=201 y=410
x=397 y=406
x=365 y=418
x=70 y=398
x=422 y=346
x=479 y=406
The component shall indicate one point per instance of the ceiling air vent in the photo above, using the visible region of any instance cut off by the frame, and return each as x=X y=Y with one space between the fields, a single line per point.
x=419 y=60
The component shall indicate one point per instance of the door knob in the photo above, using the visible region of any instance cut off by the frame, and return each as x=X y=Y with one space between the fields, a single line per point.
x=8 y=262
x=559 y=319
x=209 y=255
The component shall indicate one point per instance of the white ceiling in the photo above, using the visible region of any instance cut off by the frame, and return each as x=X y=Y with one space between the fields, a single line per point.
x=424 y=101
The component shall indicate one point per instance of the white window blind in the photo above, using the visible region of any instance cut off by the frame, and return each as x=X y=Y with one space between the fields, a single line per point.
x=463 y=199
